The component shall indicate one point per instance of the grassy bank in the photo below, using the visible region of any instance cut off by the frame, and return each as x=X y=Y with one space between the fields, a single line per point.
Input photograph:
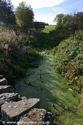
x=69 y=59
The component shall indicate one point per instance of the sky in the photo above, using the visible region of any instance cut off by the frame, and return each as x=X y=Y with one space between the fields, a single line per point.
x=46 y=10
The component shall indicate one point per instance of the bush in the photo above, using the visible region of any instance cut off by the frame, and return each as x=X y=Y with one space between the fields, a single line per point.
x=7 y=36
x=16 y=56
x=69 y=58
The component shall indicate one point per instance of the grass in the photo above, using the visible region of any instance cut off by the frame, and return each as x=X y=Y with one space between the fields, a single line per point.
x=76 y=119
x=52 y=89
x=49 y=28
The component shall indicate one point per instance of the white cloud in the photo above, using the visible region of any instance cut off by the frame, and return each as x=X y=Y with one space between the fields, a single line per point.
x=38 y=3
x=48 y=18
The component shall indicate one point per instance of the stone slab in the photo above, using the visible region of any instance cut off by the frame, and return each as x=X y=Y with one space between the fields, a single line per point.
x=3 y=81
x=5 y=89
x=8 y=97
x=12 y=111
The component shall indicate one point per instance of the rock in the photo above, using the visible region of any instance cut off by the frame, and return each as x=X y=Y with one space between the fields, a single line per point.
x=8 y=97
x=5 y=89
x=34 y=117
x=12 y=111
x=23 y=97
x=3 y=81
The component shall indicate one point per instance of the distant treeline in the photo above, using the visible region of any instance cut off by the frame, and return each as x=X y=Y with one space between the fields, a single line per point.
x=70 y=22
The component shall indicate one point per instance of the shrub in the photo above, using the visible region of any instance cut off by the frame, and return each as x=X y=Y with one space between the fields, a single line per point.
x=69 y=58
x=16 y=56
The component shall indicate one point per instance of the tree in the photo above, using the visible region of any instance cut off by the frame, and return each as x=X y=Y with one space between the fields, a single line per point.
x=79 y=20
x=70 y=22
x=24 y=16
x=59 y=20
x=6 y=12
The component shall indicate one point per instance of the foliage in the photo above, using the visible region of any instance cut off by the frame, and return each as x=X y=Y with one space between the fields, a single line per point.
x=59 y=19
x=70 y=22
x=50 y=39
x=6 y=12
x=24 y=16
x=7 y=36
x=69 y=59
x=16 y=55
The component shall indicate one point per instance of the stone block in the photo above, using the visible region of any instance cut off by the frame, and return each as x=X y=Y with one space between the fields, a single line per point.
x=13 y=111
x=8 y=97
x=5 y=89
x=3 y=81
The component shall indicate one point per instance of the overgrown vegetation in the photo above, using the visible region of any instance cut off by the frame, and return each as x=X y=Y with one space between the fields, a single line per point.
x=23 y=42
x=16 y=52
x=69 y=59
x=68 y=54
x=47 y=41
x=16 y=55
x=72 y=22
